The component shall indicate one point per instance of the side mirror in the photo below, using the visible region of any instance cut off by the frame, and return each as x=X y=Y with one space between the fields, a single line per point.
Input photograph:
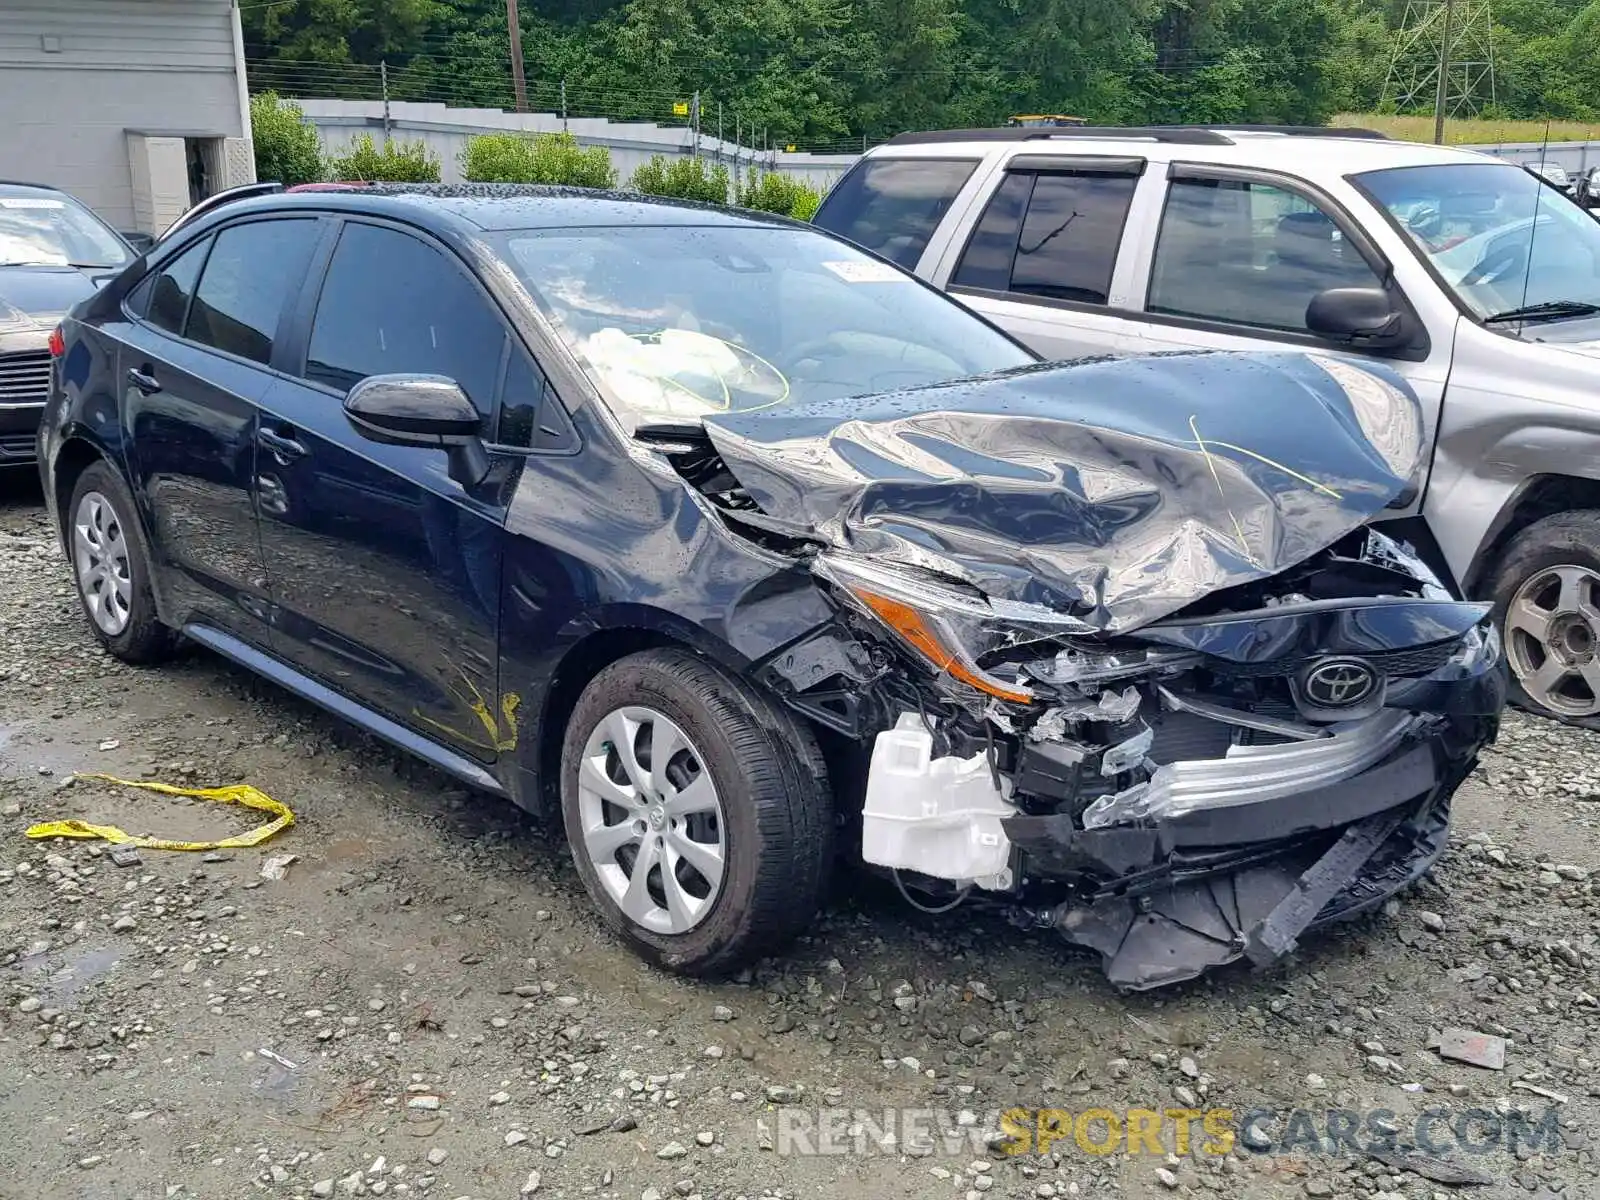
x=1362 y=317
x=141 y=242
x=421 y=410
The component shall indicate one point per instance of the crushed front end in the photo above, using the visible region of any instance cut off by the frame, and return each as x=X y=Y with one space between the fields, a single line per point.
x=1128 y=655
x=1203 y=789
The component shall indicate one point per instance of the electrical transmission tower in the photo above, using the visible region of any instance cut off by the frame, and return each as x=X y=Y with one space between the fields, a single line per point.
x=1444 y=57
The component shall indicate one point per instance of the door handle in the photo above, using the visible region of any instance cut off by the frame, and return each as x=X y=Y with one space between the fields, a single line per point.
x=141 y=378
x=285 y=449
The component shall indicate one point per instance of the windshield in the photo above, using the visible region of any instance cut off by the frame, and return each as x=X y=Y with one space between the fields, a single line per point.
x=55 y=231
x=1499 y=238
x=674 y=323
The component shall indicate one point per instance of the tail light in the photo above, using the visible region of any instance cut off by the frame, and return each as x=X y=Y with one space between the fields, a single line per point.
x=57 y=343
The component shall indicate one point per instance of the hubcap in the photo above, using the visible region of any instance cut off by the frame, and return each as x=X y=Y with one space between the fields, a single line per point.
x=1553 y=640
x=100 y=560
x=652 y=822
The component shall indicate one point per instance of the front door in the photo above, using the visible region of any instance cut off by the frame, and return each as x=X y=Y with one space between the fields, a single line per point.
x=385 y=571
x=195 y=366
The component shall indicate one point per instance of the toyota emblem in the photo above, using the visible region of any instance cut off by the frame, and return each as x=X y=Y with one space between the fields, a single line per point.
x=1339 y=683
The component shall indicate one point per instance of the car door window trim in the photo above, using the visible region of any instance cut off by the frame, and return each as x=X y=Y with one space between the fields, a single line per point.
x=304 y=316
x=1418 y=349
x=286 y=314
x=1092 y=167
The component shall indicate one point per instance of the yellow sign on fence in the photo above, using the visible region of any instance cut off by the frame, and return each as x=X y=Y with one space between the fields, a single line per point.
x=680 y=108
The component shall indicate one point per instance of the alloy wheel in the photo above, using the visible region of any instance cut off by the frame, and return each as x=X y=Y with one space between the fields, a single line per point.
x=100 y=560
x=1552 y=628
x=652 y=824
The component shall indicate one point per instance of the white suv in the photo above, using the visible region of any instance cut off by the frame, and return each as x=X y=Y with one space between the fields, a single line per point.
x=1470 y=276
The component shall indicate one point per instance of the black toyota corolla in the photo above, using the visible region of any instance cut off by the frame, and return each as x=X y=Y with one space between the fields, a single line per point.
x=730 y=542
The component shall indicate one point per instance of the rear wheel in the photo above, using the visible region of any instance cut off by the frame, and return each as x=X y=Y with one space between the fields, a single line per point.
x=111 y=567
x=698 y=814
x=1546 y=592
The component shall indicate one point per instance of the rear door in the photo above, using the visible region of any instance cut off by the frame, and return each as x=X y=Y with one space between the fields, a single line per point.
x=1043 y=259
x=195 y=363
x=385 y=571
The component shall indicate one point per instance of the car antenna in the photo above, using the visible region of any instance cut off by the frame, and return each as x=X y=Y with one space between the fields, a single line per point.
x=1533 y=225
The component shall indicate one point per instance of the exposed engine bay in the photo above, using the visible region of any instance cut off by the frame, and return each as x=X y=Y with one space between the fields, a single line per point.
x=1134 y=667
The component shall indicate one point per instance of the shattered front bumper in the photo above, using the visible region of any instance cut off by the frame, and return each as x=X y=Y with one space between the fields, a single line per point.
x=1230 y=874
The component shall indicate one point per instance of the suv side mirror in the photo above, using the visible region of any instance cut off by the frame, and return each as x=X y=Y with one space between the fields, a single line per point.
x=1362 y=317
x=421 y=410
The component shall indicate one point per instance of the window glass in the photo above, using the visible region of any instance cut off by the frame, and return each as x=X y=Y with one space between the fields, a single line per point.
x=1070 y=236
x=38 y=228
x=674 y=323
x=252 y=271
x=892 y=205
x=522 y=400
x=1248 y=254
x=1498 y=238
x=393 y=304
x=1052 y=234
x=169 y=297
x=986 y=262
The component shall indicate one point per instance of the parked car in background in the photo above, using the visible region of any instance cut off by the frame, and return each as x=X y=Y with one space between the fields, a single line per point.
x=53 y=252
x=1466 y=274
x=1552 y=173
x=714 y=534
x=1586 y=188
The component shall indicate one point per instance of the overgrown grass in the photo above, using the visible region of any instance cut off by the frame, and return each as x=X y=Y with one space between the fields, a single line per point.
x=1472 y=132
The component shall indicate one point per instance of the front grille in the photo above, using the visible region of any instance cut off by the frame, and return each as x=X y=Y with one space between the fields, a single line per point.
x=14 y=446
x=1411 y=661
x=25 y=377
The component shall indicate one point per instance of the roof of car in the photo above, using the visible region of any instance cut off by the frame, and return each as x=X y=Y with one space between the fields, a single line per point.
x=502 y=206
x=19 y=187
x=1310 y=151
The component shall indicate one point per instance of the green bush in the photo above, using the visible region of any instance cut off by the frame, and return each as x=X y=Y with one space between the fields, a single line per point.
x=287 y=149
x=777 y=193
x=539 y=158
x=683 y=179
x=398 y=162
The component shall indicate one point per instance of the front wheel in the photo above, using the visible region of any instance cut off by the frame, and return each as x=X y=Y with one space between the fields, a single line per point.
x=698 y=814
x=1546 y=592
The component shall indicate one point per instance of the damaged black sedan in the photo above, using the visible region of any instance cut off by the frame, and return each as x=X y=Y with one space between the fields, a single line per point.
x=730 y=543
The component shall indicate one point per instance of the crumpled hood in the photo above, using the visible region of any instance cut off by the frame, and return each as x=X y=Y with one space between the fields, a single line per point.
x=1119 y=491
x=38 y=297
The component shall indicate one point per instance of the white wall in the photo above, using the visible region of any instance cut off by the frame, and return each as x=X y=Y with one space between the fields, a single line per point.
x=77 y=75
x=445 y=132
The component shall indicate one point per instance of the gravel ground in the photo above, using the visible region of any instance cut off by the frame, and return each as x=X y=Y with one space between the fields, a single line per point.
x=424 y=1005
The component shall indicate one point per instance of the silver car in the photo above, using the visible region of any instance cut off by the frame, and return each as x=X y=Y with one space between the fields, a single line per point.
x=1474 y=278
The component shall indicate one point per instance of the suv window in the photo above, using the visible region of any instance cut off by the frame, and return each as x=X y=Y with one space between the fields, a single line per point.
x=893 y=205
x=1051 y=234
x=252 y=271
x=393 y=304
x=1248 y=253
x=165 y=302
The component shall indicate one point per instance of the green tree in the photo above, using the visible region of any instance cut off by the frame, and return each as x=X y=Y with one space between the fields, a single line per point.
x=397 y=162
x=683 y=179
x=287 y=149
x=554 y=158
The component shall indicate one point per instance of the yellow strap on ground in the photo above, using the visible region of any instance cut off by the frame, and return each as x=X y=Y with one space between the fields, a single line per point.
x=239 y=793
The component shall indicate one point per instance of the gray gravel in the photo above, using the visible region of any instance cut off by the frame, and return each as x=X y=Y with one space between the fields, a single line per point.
x=423 y=1004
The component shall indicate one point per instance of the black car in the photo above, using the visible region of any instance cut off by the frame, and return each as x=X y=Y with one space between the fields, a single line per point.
x=53 y=252
x=724 y=539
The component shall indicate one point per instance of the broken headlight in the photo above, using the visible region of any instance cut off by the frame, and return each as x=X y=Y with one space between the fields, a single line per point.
x=948 y=628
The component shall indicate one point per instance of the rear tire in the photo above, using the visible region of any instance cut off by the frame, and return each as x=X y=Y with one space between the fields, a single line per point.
x=111 y=568
x=740 y=812
x=1546 y=593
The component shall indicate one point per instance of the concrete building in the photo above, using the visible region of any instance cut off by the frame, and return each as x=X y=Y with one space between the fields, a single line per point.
x=136 y=107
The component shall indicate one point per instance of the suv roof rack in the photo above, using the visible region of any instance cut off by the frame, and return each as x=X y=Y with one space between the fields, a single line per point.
x=1329 y=131
x=1194 y=135
x=1187 y=135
